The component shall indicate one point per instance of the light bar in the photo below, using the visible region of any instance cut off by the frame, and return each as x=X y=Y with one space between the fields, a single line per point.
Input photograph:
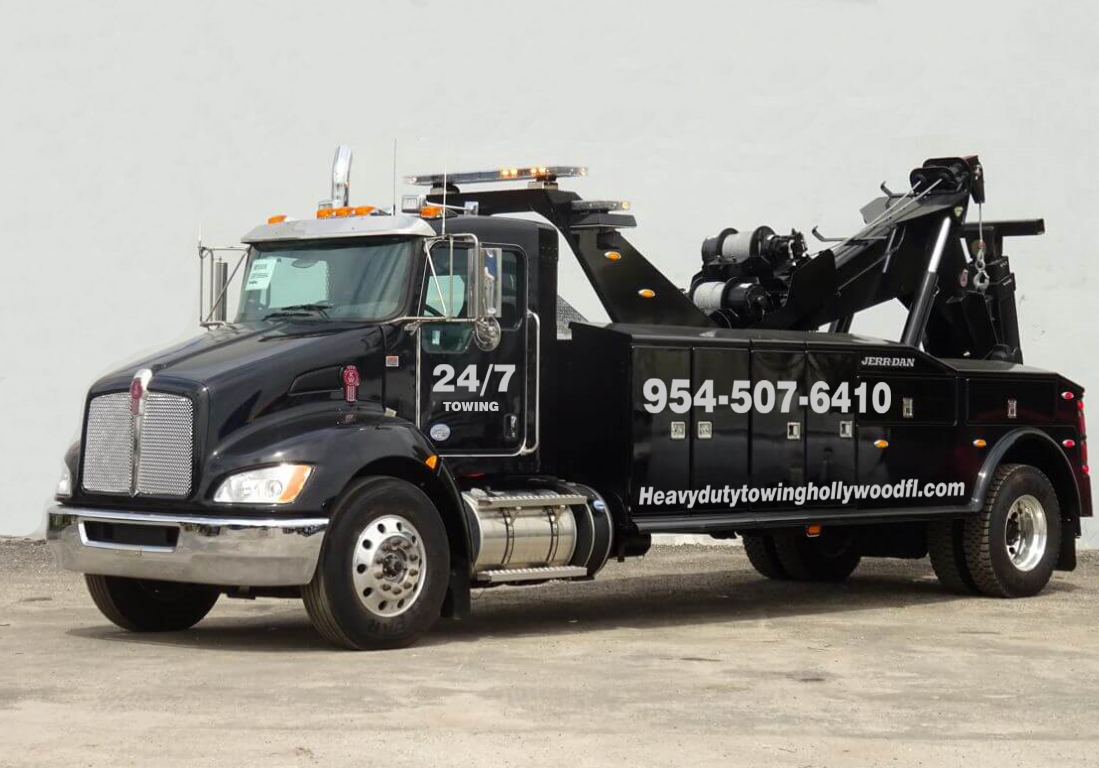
x=600 y=206
x=535 y=172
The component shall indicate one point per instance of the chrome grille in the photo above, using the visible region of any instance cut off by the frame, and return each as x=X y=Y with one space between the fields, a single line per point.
x=108 y=448
x=165 y=451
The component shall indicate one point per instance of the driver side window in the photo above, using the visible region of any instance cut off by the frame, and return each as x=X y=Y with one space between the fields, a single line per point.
x=446 y=296
x=446 y=285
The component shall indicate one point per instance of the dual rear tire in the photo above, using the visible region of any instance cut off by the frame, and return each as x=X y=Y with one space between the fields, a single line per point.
x=832 y=556
x=1011 y=547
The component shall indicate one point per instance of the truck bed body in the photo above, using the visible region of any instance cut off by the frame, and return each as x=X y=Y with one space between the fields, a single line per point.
x=945 y=419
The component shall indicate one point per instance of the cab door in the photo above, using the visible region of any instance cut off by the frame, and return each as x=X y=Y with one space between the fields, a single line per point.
x=473 y=398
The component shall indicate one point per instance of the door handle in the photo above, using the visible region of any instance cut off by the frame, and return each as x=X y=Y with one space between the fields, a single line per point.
x=793 y=430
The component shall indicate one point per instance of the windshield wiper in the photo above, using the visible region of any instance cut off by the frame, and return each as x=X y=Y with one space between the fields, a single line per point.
x=301 y=310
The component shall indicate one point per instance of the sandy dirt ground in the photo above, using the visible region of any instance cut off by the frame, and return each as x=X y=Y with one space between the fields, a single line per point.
x=685 y=657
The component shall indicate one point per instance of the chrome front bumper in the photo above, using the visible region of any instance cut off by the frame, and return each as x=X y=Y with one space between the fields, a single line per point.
x=227 y=551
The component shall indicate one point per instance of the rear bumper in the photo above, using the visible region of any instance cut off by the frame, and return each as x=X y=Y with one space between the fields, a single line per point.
x=226 y=551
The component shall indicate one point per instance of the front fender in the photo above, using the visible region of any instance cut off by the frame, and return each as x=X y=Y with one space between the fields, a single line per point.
x=338 y=441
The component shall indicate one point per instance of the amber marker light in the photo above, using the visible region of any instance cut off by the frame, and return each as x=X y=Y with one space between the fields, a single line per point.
x=813 y=530
x=431 y=211
x=646 y=293
x=364 y=210
x=432 y=461
x=612 y=256
x=324 y=213
x=979 y=443
x=277 y=219
x=881 y=443
x=295 y=483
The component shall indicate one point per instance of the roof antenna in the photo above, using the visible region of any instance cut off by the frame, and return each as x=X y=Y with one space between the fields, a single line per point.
x=444 y=199
x=393 y=210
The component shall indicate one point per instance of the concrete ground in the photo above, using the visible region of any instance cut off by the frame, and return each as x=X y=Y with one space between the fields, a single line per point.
x=686 y=657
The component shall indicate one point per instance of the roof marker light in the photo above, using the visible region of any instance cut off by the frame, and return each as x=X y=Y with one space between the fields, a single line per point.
x=277 y=219
x=363 y=210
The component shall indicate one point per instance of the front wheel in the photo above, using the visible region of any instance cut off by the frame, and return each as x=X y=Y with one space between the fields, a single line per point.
x=143 y=605
x=1011 y=547
x=384 y=567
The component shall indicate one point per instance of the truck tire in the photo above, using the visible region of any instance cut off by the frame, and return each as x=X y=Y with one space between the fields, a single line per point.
x=763 y=557
x=832 y=556
x=946 y=546
x=143 y=605
x=384 y=567
x=1012 y=546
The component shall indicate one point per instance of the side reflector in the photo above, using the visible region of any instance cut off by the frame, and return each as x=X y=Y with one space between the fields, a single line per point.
x=646 y=293
x=612 y=256
x=979 y=443
x=1069 y=443
x=813 y=530
x=881 y=444
x=432 y=461
x=277 y=219
x=1067 y=396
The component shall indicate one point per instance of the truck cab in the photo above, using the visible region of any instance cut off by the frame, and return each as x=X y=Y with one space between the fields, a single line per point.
x=397 y=415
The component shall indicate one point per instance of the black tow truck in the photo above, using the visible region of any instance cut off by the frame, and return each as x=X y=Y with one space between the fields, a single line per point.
x=403 y=409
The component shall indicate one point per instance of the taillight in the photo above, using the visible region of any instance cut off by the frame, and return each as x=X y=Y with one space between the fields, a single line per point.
x=1083 y=424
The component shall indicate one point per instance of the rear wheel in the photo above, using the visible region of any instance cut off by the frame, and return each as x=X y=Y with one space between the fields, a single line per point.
x=946 y=546
x=384 y=567
x=142 y=605
x=1011 y=547
x=831 y=556
x=762 y=555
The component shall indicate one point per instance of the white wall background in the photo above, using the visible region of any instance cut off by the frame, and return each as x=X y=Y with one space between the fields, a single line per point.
x=126 y=126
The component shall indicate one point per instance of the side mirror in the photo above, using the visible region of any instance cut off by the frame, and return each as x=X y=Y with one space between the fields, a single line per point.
x=490 y=265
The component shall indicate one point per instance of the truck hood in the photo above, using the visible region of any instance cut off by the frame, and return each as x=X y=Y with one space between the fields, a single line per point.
x=242 y=372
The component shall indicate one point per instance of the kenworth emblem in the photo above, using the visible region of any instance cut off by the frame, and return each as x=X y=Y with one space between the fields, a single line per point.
x=138 y=387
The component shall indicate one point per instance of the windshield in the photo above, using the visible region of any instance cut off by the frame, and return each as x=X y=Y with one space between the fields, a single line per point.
x=327 y=281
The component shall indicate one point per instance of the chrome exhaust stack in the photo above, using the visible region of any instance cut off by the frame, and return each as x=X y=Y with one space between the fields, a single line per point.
x=341 y=179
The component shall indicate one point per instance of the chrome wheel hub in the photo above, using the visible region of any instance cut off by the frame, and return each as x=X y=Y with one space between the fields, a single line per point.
x=389 y=565
x=1026 y=533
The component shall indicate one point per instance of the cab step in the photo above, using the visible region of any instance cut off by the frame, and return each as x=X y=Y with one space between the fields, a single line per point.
x=508 y=575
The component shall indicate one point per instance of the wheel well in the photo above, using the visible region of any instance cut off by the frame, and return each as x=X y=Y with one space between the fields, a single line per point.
x=427 y=481
x=1044 y=455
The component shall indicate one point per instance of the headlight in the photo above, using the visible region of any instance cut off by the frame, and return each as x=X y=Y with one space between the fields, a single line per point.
x=65 y=484
x=269 y=485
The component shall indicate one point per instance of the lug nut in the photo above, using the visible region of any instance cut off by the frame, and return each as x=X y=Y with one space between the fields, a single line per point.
x=414 y=572
x=385 y=587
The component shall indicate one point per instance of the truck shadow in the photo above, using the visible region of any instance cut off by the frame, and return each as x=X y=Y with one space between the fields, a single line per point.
x=631 y=602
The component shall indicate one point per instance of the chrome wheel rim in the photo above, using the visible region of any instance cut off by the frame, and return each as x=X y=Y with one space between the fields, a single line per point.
x=1026 y=533
x=389 y=566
